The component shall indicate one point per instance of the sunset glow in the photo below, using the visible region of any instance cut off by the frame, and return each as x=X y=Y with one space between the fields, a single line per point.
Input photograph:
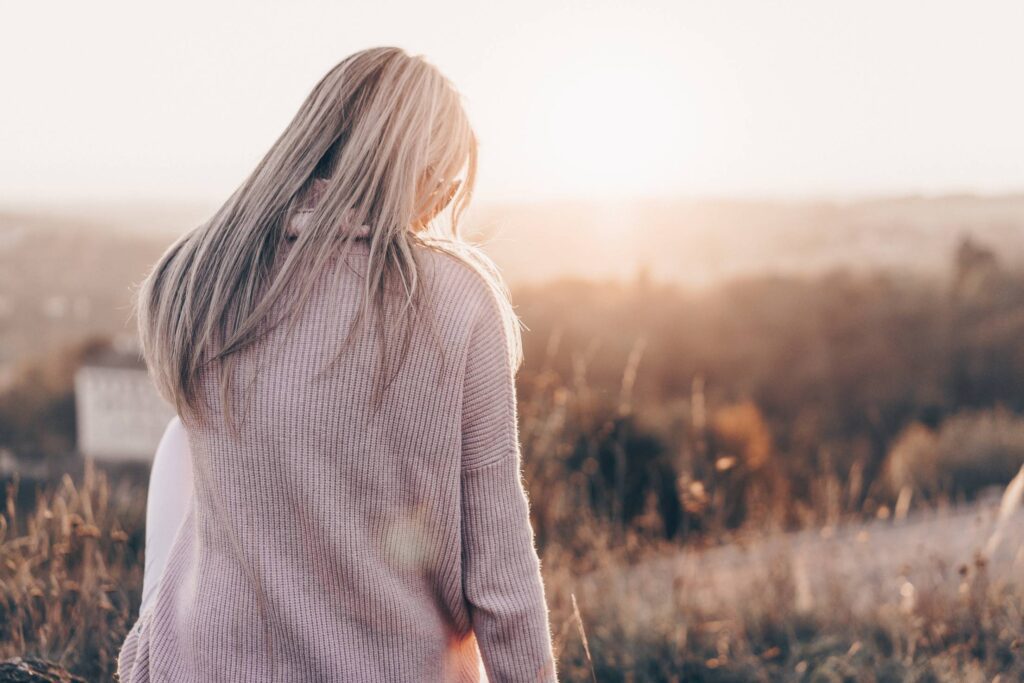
x=616 y=129
x=574 y=100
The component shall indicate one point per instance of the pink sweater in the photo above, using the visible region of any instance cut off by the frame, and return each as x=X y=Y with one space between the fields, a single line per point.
x=330 y=543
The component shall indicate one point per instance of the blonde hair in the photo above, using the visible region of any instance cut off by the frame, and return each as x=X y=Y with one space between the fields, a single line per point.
x=389 y=133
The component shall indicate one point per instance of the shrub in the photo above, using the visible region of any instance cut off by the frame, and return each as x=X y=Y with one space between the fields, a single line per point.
x=968 y=452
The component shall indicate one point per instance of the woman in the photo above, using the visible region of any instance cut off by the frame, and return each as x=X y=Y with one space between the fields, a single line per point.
x=342 y=366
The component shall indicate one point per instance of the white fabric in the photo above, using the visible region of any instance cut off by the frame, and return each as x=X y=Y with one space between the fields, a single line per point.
x=170 y=492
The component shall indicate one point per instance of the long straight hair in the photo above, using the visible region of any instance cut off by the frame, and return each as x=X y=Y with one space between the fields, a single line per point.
x=389 y=134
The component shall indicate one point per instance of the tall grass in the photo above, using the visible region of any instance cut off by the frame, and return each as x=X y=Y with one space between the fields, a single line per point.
x=780 y=489
x=71 y=573
x=763 y=586
x=627 y=603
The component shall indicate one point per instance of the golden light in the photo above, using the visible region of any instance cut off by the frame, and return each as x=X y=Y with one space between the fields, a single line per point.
x=614 y=130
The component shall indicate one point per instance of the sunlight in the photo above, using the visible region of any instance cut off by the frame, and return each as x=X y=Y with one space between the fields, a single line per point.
x=614 y=130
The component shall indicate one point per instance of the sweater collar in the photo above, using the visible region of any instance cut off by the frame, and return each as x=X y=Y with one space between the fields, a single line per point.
x=302 y=215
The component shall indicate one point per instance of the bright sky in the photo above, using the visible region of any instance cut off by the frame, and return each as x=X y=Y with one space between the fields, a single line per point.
x=590 y=99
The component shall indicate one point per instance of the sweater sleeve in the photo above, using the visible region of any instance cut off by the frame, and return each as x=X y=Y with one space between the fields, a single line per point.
x=501 y=570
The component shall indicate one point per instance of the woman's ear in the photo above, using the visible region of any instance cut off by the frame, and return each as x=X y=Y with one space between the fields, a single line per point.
x=440 y=204
x=448 y=196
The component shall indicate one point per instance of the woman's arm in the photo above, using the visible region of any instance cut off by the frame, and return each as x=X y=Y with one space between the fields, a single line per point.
x=170 y=490
x=501 y=570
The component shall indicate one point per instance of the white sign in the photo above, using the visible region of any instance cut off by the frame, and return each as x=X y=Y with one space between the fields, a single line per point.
x=120 y=415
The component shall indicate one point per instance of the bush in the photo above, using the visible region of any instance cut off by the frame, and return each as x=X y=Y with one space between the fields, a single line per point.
x=968 y=452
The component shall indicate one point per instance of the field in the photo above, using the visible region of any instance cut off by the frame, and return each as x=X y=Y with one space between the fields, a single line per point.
x=795 y=475
x=918 y=599
x=929 y=596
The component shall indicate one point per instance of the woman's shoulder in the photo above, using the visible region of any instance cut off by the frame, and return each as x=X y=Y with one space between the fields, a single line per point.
x=467 y=286
x=460 y=275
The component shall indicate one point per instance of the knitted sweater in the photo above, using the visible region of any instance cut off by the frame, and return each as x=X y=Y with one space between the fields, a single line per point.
x=327 y=541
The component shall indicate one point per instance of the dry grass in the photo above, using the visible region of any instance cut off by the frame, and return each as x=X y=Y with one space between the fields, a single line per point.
x=71 y=573
x=844 y=590
x=883 y=601
x=770 y=492
x=857 y=603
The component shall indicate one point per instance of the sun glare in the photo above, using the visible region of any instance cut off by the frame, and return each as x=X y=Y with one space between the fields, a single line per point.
x=616 y=131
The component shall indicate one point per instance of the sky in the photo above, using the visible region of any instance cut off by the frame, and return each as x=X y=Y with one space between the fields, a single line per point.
x=583 y=100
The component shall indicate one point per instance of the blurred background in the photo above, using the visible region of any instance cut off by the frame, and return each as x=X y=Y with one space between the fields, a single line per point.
x=771 y=261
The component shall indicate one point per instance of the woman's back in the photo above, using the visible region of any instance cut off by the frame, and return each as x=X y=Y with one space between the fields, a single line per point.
x=332 y=541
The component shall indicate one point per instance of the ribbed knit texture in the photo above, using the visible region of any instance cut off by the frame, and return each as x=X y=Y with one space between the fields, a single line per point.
x=330 y=542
